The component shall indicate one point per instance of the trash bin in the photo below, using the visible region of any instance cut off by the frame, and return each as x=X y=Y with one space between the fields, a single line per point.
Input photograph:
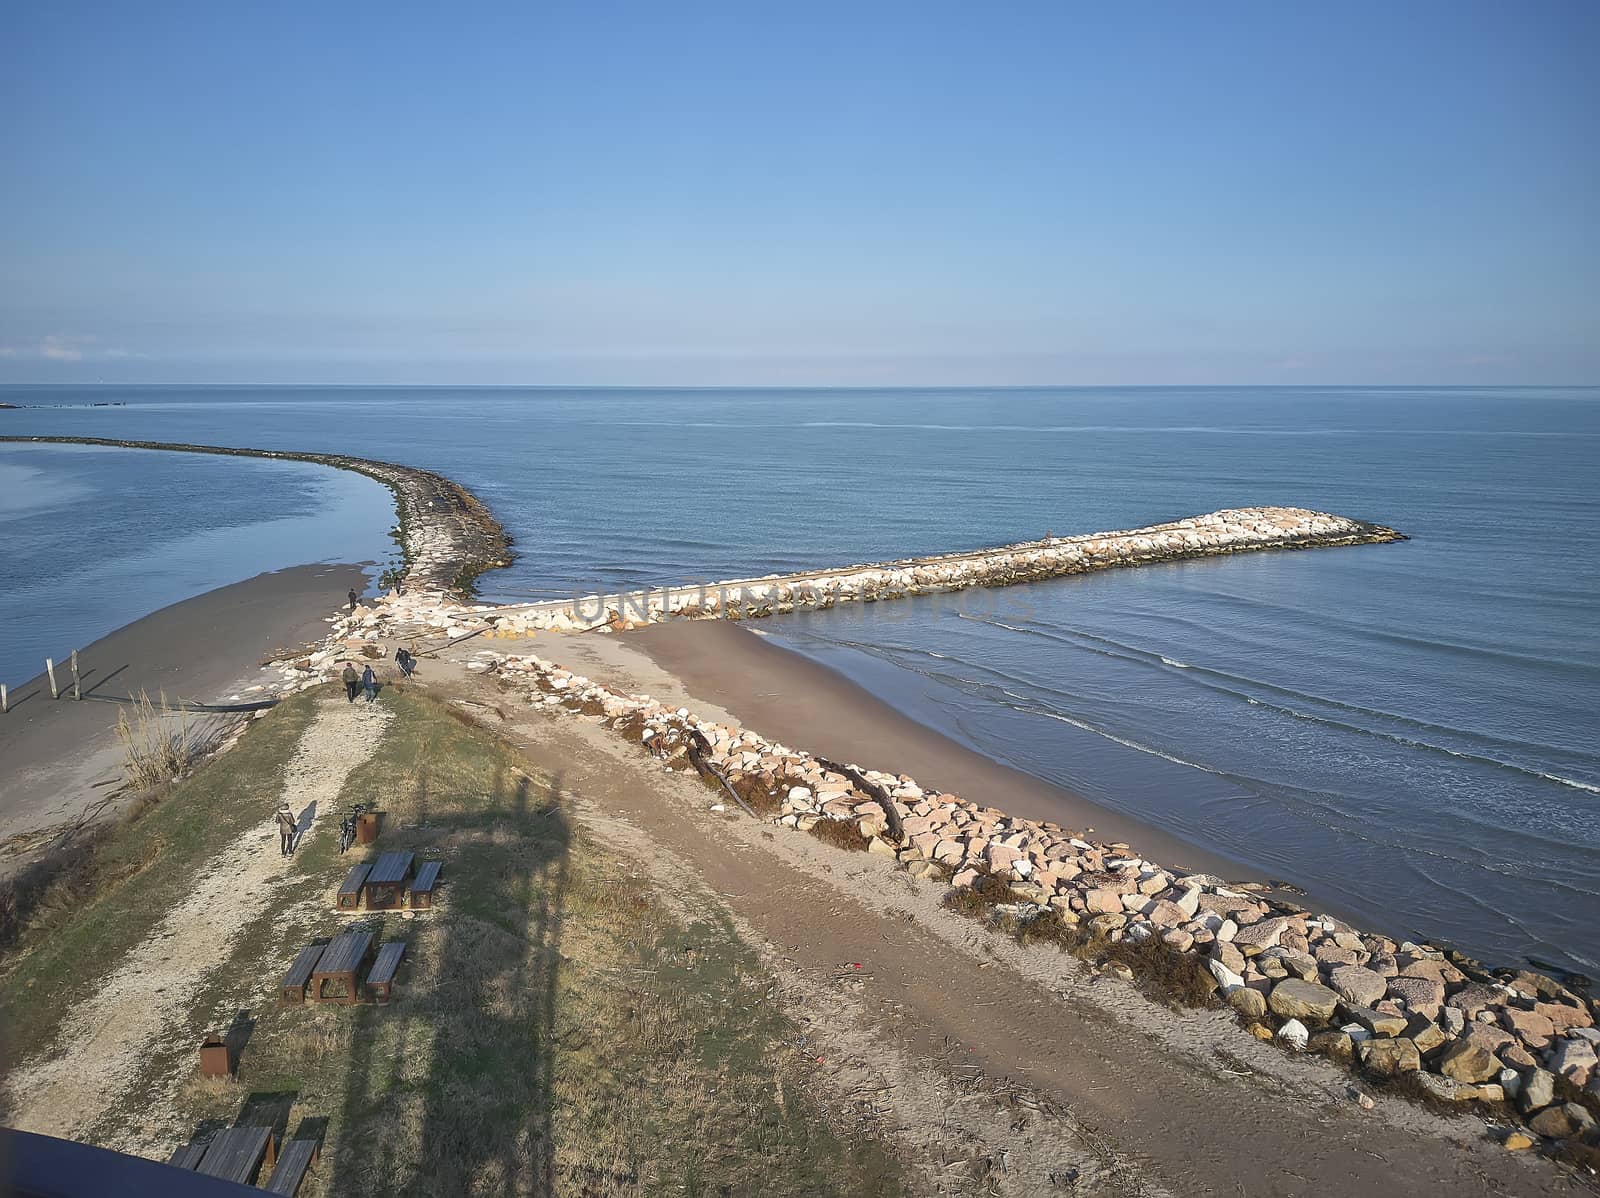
x=214 y=1057
x=367 y=827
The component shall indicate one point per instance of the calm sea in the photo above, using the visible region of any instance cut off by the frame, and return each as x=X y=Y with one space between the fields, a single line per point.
x=1408 y=730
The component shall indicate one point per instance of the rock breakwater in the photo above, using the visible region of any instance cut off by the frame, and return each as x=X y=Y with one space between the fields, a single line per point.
x=1237 y=530
x=1517 y=1043
x=447 y=536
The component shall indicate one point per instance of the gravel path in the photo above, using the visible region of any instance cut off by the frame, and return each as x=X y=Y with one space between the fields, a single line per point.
x=107 y=1041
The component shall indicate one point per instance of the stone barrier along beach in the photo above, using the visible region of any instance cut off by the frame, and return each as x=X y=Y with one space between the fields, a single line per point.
x=1236 y=530
x=1457 y=1032
x=447 y=536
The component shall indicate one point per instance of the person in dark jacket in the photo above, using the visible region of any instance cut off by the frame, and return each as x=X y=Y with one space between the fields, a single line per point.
x=369 y=680
x=354 y=598
x=352 y=682
x=286 y=829
x=406 y=662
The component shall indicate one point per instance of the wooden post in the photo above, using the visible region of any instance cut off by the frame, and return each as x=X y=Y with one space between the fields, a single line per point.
x=4 y=705
x=77 y=687
x=50 y=668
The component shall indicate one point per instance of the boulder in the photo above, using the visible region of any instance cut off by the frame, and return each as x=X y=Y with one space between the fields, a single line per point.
x=1293 y=998
x=1424 y=1033
x=1293 y=1034
x=1475 y=997
x=1251 y=1004
x=1357 y=984
x=1573 y=1059
x=1420 y=994
x=1538 y=1090
x=1103 y=901
x=1379 y=1023
x=1464 y=1061
x=1389 y=1057
x=1532 y=1028
x=1553 y=1123
x=1333 y=1044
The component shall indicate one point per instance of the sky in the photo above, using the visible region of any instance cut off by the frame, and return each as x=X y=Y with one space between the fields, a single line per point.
x=751 y=194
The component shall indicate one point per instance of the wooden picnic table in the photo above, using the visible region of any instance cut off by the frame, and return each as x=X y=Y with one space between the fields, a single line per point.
x=237 y=1154
x=386 y=885
x=339 y=964
x=297 y=1156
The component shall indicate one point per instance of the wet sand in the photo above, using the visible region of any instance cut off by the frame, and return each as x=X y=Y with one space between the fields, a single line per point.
x=58 y=756
x=806 y=705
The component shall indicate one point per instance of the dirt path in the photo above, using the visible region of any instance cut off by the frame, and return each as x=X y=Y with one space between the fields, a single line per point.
x=107 y=1040
x=1118 y=1095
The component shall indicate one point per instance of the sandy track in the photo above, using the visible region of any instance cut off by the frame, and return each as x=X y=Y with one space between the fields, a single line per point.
x=106 y=1042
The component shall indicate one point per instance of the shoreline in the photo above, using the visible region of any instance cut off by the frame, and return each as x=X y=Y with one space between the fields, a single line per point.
x=60 y=754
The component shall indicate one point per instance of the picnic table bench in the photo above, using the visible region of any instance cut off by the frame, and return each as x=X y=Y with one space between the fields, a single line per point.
x=296 y=1157
x=292 y=989
x=382 y=975
x=350 y=889
x=425 y=883
x=339 y=963
x=386 y=883
x=189 y=1155
x=237 y=1154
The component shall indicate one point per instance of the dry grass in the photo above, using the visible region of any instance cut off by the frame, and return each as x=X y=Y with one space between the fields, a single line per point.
x=160 y=743
x=840 y=833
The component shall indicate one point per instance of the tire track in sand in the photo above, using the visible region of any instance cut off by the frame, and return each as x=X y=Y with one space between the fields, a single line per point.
x=105 y=1042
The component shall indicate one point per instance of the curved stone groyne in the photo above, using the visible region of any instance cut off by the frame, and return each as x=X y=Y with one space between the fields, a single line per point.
x=1236 y=530
x=447 y=535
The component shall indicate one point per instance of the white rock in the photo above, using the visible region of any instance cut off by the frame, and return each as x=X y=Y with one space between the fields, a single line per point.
x=1227 y=980
x=1294 y=1035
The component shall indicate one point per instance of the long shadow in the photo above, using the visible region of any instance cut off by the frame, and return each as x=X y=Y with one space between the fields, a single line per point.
x=486 y=1028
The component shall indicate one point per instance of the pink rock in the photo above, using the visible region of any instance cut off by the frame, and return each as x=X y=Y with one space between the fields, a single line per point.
x=1488 y=1036
x=1562 y=1016
x=1357 y=984
x=948 y=851
x=1532 y=1028
x=1103 y=901
x=1164 y=914
x=965 y=877
x=925 y=842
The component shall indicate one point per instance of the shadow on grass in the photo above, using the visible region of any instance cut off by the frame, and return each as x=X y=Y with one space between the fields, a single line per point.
x=480 y=1112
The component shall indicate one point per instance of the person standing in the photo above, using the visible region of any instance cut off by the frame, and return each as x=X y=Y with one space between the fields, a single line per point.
x=369 y=680
x=286 y=830
x=354 y=598
x=352 y=682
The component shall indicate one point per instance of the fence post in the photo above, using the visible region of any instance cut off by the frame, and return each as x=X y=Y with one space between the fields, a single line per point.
x=77 y=687
x=50 y=668
x=5 y=706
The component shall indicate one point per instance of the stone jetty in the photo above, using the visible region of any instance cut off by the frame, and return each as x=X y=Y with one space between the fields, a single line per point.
x=1238 y=530
x=447 y=536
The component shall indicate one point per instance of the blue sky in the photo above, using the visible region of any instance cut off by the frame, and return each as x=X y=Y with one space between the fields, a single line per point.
x=918 y=193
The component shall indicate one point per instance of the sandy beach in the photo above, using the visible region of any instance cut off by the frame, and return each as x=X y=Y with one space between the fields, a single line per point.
x=62 y=755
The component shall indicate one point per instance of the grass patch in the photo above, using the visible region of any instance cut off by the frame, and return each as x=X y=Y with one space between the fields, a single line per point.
x=558 y=1026
x=109 y=898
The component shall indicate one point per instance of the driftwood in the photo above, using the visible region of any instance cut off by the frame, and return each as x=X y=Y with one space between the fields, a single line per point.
x=699 y=749
x=896 y=829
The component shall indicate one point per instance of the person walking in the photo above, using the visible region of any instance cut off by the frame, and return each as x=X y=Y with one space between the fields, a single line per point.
x=369 y=680
x=352 y=682
x=286 y=830
x=406 y=662
x=354 y=598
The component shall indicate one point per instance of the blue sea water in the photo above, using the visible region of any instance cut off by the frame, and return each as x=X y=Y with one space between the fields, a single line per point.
x=1406 y=730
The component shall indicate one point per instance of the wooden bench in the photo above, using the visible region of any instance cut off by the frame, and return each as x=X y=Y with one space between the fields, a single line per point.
x=297 y=1156
x=350 y=889
x=382 y=975
x=339 y=963
x=425 y=883
x=237 y=1154
x=292 y=990
x=386 y=885
x=189 y=1156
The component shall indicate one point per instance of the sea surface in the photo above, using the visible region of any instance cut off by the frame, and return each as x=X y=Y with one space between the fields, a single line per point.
x=1408 y=731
